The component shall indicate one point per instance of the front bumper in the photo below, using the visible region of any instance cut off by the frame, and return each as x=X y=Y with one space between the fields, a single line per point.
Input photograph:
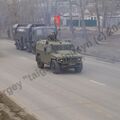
x=70 y=65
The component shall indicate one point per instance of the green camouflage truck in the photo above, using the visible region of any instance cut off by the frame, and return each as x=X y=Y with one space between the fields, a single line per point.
x=59 y=55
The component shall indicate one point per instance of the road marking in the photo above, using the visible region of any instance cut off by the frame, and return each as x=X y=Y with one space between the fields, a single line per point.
x=97 y=83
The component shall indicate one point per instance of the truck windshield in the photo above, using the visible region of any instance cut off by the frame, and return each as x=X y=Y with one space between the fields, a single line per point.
x=62 y=47
x=44 y=31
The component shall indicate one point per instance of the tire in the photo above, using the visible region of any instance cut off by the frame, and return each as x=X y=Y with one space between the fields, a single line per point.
x=55 y=67
x=78 y=69
x=39 y=62
x=20 y=45
x=34 y=49
x=17 y=46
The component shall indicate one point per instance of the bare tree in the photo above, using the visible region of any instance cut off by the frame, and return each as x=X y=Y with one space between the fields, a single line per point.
x=71 y=18
x=82 y=9
x=98 y=15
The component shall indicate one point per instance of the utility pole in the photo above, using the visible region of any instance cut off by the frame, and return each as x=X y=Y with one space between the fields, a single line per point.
x=47 y=13
x=98 y=16
x=12 y=6
x=82 y=13
x=104 y=14
x=83 y=19
x=71 y=18
x=56 y=13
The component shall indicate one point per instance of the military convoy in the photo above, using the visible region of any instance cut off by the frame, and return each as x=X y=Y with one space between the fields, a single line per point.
x=26 y=36
x=59 y=55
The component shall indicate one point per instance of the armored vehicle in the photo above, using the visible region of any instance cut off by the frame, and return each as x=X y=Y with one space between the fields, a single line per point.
x=59 y=55
x=26 y=36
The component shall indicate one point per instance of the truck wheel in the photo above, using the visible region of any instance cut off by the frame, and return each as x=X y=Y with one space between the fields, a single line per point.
x=34 y=49
x=39 y=62
x=21 y=47
x=21 y=44
x=17 y=46
x=79 y=68
x=55 y=67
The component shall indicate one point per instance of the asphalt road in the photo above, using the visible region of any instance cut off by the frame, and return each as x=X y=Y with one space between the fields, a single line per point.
x=92 y=95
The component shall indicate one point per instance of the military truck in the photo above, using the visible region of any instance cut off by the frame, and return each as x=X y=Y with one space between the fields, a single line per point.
x=59 y=55
x=26 y=36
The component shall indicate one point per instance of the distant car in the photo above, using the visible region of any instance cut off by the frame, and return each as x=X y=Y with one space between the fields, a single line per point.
x=59 y=55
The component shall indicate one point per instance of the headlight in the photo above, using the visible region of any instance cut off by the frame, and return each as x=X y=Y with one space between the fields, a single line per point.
x=79 y=59
x=60 y=60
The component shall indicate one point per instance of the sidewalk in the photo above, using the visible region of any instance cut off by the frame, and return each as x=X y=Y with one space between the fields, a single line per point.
x=108 y=50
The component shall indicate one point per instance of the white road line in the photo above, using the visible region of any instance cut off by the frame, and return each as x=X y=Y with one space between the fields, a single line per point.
x=97 y=83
